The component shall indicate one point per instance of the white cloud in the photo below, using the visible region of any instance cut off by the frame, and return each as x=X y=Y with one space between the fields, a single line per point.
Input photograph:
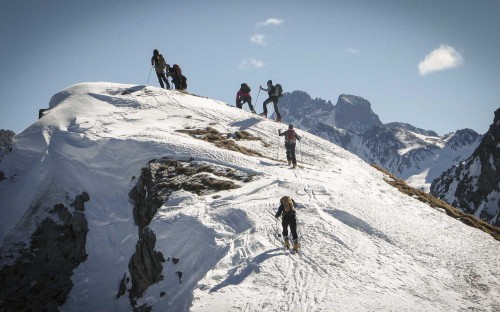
x=444 y=57
x=251 y=63
x=258 y=39
x=271 y=22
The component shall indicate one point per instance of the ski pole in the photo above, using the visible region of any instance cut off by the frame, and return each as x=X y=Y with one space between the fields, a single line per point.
x=276 y=232
x=272 y=214
x=278 y=155
x=150 y=71
x=300 y=150
x=257 y=98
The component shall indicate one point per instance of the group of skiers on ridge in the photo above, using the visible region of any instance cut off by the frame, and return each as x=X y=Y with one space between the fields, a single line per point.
x=287 y=204
x=163 y=70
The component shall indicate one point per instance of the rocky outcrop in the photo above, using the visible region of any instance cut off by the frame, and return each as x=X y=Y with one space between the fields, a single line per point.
x=158 y=180
x=474 y=185
x=145 y=265
x=39 y=277
x=6 y=137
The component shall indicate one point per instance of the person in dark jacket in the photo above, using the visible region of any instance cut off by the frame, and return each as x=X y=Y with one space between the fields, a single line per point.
x=179 y=80
x=291 y=138
x=243 y=96
x=160 y=66
x=271 y=91
x=286 y=208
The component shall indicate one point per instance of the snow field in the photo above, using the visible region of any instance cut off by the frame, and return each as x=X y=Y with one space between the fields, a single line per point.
x=365 y=246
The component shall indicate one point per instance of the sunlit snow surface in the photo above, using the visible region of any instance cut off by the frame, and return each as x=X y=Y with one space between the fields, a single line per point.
x=365 y=245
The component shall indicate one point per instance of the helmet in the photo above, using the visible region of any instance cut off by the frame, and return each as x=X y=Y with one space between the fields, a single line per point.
x=270 y=82
x=155 y=52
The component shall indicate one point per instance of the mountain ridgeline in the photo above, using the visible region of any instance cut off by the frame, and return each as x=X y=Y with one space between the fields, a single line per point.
x=415 y=155
x=474 y=184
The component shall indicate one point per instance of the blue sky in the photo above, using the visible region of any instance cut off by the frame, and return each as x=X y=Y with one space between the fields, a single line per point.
x=431 y=63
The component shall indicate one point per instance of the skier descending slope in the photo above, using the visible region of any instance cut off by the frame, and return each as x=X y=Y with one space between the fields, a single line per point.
x=286 y=209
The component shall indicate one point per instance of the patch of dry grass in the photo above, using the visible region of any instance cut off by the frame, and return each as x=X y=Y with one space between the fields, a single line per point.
x=222 y=141
x=439 y=204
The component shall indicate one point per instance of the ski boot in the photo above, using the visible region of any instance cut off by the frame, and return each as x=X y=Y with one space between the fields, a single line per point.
x=278 y=119
x=286 y=243
x=296 y=246
x=253 y=111
x=263 y=115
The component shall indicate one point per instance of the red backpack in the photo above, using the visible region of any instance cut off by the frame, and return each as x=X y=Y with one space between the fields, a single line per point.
x=290 y=136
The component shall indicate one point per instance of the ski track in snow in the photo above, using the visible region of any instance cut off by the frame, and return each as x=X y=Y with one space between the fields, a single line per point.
x=365 y=246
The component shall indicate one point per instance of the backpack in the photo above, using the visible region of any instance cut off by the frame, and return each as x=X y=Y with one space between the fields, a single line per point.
x=290 y=136
x=245 y=88
x=278 y=90
x=178 y=70
x=160 y=63
x=287 y=203
x=184 y=83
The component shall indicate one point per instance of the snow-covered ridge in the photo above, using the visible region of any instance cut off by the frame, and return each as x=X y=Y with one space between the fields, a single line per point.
x=365 y=246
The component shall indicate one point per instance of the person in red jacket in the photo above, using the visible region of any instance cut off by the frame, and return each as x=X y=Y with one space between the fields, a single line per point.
x=243 y=96
x=291 y=138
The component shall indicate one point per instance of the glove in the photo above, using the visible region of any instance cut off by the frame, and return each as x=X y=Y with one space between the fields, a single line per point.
x=279 y=131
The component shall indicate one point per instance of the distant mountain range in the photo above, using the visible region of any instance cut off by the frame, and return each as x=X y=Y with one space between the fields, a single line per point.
x=474 y=184
x=415 y=155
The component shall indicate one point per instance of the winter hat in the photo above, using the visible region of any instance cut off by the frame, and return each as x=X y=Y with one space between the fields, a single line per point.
x=290 y=126
x=155 y=52
x=270 y=81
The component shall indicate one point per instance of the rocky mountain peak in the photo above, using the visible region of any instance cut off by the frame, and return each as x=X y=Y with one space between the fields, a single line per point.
x=355 y=113
x=462 y=138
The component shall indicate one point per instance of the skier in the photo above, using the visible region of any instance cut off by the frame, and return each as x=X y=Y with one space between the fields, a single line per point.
x=180 y=82
x=291 y=138
x=160 y=65
x=243 y=96
x=286 y=208
x=273 y=97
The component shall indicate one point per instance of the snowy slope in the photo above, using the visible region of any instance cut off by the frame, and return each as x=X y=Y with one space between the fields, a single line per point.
x=365 y=246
